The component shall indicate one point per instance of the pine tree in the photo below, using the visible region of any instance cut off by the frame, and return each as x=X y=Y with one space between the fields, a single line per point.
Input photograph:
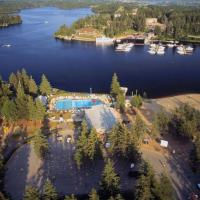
x=5 y=90
x=113 y=138
x=195 y=154
x=32 y=87
x=145 y=184
x=115 y=86
x=45 y=87
x=139 y=127
x=136 y=101
x=20 y=91
x=81 y=146
x=163 y=189
x=109 y=181
x=40 y=144
x=71 y=197
x=31 y=108
x=120 y=101
x=49 y=192
x=93 y=195
x=143 y=189
x=31 y=193
x=19 y=77
x=9 y=110
x=92 y=145
x=83 y=138
x=13 y=80
x=25 y=79
x=40 y=110
x=161 y=122
x=78 y=157
x=21 y=103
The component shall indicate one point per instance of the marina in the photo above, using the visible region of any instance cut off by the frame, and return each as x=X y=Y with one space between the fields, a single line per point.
x=78 y=66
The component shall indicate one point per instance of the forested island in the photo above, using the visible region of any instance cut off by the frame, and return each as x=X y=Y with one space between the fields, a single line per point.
x=7 y=20
x=9 y=6
x=114 y=20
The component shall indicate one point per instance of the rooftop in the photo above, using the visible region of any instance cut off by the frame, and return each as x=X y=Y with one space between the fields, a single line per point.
x=101 y=117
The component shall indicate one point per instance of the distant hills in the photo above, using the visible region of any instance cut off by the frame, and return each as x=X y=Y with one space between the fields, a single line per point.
x=165 y=2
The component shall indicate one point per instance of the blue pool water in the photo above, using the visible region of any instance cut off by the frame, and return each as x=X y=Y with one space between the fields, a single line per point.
x=68 y=104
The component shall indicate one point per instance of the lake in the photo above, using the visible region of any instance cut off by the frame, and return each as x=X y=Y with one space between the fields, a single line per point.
x=78 y=66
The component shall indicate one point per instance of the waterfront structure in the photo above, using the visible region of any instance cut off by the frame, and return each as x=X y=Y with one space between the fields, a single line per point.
x=151 y=23
x=104 y=41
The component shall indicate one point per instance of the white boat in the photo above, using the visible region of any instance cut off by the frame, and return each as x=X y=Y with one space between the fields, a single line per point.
x=160 y=52
x=151 y=51
x=118 y=40
x=161 y=47
x=130 y=45
x=46 y=22
x=170 y=45
x=180 y=48
x=120 y=47
x=181 y=52
x=125 y=47
x=6 y=45
x=152 y=45
x=189 y=49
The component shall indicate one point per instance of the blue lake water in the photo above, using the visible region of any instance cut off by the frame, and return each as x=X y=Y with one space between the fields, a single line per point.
x=80 y=66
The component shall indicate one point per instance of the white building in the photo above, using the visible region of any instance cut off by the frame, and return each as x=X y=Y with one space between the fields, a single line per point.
x=101 y=117
x=104 y=41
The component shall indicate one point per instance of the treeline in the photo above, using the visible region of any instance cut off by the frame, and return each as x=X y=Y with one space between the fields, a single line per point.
x=9 y=6
x=105 y=23
x=179 y=22
x=18 y=97
x=147 y=187
x=111 y=8
x=6 y=20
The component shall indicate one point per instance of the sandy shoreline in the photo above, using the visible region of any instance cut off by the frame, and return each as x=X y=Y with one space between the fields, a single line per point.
x=169 y=103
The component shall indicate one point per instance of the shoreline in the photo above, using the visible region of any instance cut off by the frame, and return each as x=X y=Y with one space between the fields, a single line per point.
x=93 y=40
x=71 y=38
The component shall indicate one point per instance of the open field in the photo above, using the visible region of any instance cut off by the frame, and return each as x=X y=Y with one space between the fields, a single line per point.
x=168 y=104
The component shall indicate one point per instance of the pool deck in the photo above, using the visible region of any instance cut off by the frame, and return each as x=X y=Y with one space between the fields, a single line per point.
x=103 y=98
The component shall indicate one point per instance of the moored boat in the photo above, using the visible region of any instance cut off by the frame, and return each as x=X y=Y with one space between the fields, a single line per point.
x=6 y=45
x=125 y=47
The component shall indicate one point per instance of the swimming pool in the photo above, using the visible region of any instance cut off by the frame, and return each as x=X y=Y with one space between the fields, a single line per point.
x=68 y=104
